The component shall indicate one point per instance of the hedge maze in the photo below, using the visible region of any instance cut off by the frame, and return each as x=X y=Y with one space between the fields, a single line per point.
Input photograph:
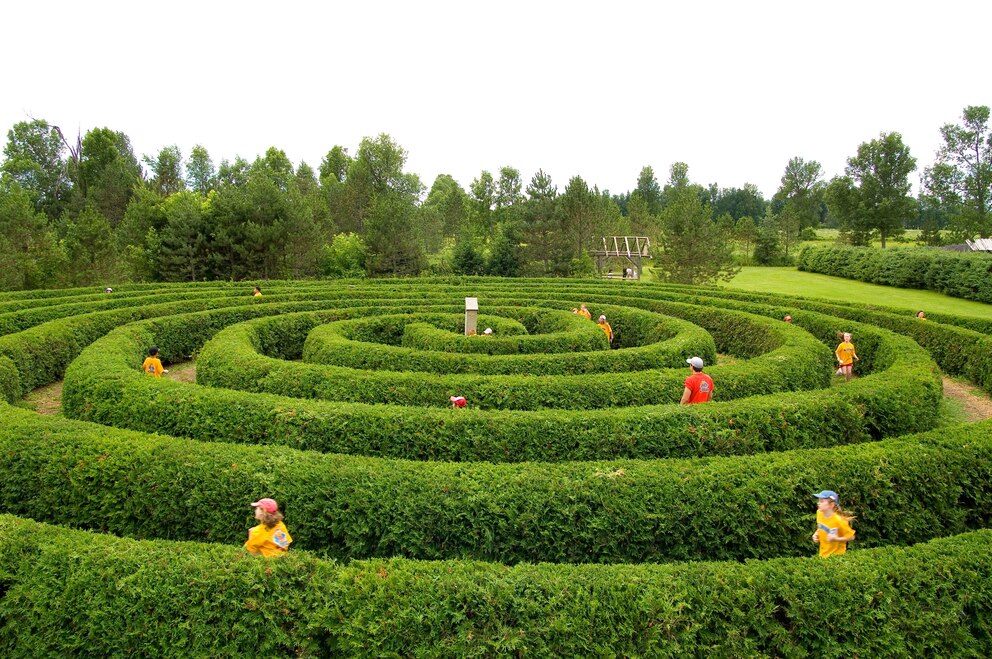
x=571 y=509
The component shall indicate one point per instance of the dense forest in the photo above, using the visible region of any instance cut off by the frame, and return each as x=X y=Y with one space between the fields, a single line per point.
x=86 y=210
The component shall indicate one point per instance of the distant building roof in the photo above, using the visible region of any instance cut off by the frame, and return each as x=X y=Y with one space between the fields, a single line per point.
x=980 y=244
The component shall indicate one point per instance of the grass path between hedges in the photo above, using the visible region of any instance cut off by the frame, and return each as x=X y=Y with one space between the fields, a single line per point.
x=47 y=400
x=963 y=402
x=973 y=403
x=836 y=289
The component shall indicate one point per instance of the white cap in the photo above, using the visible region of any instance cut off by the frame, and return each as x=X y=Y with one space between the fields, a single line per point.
x=695 y=362
x=488 y=330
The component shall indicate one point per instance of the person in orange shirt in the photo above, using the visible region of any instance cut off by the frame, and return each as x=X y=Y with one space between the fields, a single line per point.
x=583 y=311
x=605 y=326
x=846 y=356
x=698 y=386
x=270 y=537
x=833 y=527
x=153 y=365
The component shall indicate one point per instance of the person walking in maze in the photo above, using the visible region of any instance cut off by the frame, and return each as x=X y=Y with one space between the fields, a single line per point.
x=153 y=365
x=698 y=386
x=270 y=537
x=605 y=326
x=846 y=356
x=833 y=527
x=256 y=292
x=921 y=314
x=583 y=311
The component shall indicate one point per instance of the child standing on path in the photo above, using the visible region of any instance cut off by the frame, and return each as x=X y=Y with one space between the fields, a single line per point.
x=833 y=527
x=153 y=365
x=605 y=326
x=270 y=538
x=846 y=356
x=698 y=386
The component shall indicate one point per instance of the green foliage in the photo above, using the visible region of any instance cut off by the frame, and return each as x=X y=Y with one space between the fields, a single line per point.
x=967 y=276
x=127 y=483
x=874 y=196
x=961 y=178
x=10 y=386
x=767 y=250
x=34 y=161
x=693 y=248
x=739 y=492
x=467 y=258
x=67 y=590
x=344 y=257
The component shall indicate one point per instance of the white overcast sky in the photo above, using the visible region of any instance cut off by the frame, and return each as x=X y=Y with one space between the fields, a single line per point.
x=595 y=89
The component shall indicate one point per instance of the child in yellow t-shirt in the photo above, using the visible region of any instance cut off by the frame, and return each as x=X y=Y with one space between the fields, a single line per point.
x=605 y=326
x=846 y=356
x=152 y=365
x=833 y=527
x=270 y=537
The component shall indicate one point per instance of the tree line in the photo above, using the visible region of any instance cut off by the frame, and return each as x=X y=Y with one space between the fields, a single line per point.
x=85 y=211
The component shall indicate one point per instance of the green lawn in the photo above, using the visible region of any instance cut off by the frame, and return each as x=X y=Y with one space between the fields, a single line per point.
x=792 y=282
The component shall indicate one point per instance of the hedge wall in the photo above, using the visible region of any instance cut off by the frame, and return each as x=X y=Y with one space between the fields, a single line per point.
x=69 y=592
x=105 y=385
x=959 y=345
x=651 y=340
x=232 y=360
x=967 y=276
x=606 y=511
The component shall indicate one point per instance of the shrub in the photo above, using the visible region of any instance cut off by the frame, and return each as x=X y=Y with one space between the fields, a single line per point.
x=966 y=276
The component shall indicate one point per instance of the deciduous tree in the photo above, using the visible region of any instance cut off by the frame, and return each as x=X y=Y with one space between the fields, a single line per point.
x=34 y=159
x=875 y=194
x=961 y=177
x=801 y=192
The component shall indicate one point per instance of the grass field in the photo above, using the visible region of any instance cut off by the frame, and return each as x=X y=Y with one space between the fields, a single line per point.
x=794 y=282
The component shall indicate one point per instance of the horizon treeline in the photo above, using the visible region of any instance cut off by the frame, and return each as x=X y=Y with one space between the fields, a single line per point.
x=90 y=212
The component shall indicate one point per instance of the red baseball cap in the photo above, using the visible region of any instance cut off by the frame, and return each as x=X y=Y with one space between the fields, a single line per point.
x=458 y=400
x=268 y=505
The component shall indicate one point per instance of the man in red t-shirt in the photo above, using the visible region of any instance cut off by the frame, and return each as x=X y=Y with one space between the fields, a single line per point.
x=698 y=386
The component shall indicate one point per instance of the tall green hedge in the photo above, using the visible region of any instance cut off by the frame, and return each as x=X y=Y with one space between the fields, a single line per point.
x=967 y=276
x=232 y=359
x=604 y=511
x=105 y=385
x=69 y=593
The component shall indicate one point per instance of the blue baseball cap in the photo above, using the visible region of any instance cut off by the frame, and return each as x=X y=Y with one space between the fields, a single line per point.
x=828 y=494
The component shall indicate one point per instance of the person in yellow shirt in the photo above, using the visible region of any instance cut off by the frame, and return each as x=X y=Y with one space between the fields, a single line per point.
x=846 y=356
x=583 y=311
x=833 y=527
x=257 y=292
x=152 y=365
x=270 y=537
x=605 y=326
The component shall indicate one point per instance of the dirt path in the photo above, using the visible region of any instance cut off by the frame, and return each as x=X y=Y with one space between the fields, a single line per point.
x=182 y=372
x=976 y=403
x=47 y=400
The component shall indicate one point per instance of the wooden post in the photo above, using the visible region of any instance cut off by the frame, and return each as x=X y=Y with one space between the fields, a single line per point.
x=471 y=315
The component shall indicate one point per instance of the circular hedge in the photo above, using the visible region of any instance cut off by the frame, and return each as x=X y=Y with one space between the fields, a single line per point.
x=572 y=483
